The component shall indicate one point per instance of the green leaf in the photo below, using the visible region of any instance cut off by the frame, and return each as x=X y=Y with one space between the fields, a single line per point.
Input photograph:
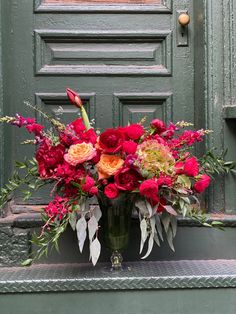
x=27 y=262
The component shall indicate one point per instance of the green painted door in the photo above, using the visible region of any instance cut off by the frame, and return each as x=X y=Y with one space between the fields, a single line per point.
x=123 y=57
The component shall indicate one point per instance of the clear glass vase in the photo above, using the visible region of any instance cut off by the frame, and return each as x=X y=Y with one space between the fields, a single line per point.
x=116 y=219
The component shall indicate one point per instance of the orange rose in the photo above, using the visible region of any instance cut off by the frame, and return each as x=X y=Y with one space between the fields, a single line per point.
x=79 y=153
x=109 y=165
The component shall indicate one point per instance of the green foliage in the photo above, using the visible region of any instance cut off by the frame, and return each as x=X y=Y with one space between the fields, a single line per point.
x=216 y=164
x=25 y=175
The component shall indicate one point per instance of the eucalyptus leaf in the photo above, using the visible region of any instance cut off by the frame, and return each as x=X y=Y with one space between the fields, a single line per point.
x=97 y=212
x=150 y=246
x=156 y=239
x=158 y=226
x=173 y=222
x=81 y=227
x=141 y=205
x=144 y=234
x=73 y=220
x=165 y=218
x=170 y=238
x=92 y=227
x=95 y=249
x=170 y=210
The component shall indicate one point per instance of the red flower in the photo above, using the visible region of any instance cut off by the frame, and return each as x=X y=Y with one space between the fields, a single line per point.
x=111 y=141
x=149 y=189
x=48 y=158
x=161 y=205
x=77 y=125
x=93 y=190
x=74 y=98
x=134 y=131
x=111 y=191
x=202 y=183
x=129 y=147
x=127 y=179
x=88 y=184
x=191 y=167
x=57 y=208
x=35 y=128
x=159 y=125
x=164 y=180
x=179 y=167
x=89 y=136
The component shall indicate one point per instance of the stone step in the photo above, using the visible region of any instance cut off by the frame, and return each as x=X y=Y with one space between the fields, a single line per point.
x=191 y=242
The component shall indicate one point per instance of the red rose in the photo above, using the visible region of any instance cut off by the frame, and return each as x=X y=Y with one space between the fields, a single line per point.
x=48 y=158
x=111 y=191
x=149 y=189
x=159 y=125
x=94 y=190
x=202 y=183
x=134 y=131
x=127 y=179
x=179 y=167
x=77 y=125
x=191 y=167
x=88 y=184
x=129 y=147
x=111 y=141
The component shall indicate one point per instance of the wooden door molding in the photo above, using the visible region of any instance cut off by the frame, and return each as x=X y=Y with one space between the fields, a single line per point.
x=119 y=6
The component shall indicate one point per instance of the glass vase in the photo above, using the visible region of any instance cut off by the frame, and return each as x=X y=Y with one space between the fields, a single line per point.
x=116 y=219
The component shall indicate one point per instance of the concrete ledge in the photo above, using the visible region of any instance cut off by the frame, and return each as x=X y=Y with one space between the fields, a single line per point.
x=183 y=274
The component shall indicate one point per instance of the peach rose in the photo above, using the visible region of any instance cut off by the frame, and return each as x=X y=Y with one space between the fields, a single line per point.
x=109 y=165
x=79 y=153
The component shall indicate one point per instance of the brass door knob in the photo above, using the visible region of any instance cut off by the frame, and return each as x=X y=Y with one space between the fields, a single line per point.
x=184 y=19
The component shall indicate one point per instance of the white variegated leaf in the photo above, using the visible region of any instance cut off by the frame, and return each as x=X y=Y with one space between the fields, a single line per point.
x=81 y=227
x=170 y=210
x=95 y=249
x=173 y=222
x=92 y=227
x=150 y=246
x=158 y=226
x=83 y=205
x=97 y=212
x=144 y=234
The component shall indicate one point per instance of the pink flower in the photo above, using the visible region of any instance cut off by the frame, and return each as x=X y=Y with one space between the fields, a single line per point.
x=57 y=208
x=202 y=183
x=88 y=184
x=79 y=153
x=134 y=131
x=35 y=128
x=164 y=180
x=191 y=167
x=159 y=125
x=149 y=189
x=111 y=191
x=129 y=147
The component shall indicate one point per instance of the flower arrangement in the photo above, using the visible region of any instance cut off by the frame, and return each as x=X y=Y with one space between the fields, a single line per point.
x=153 y=166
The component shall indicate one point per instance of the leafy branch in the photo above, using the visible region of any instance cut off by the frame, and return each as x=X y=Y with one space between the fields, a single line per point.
x=216 y=164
